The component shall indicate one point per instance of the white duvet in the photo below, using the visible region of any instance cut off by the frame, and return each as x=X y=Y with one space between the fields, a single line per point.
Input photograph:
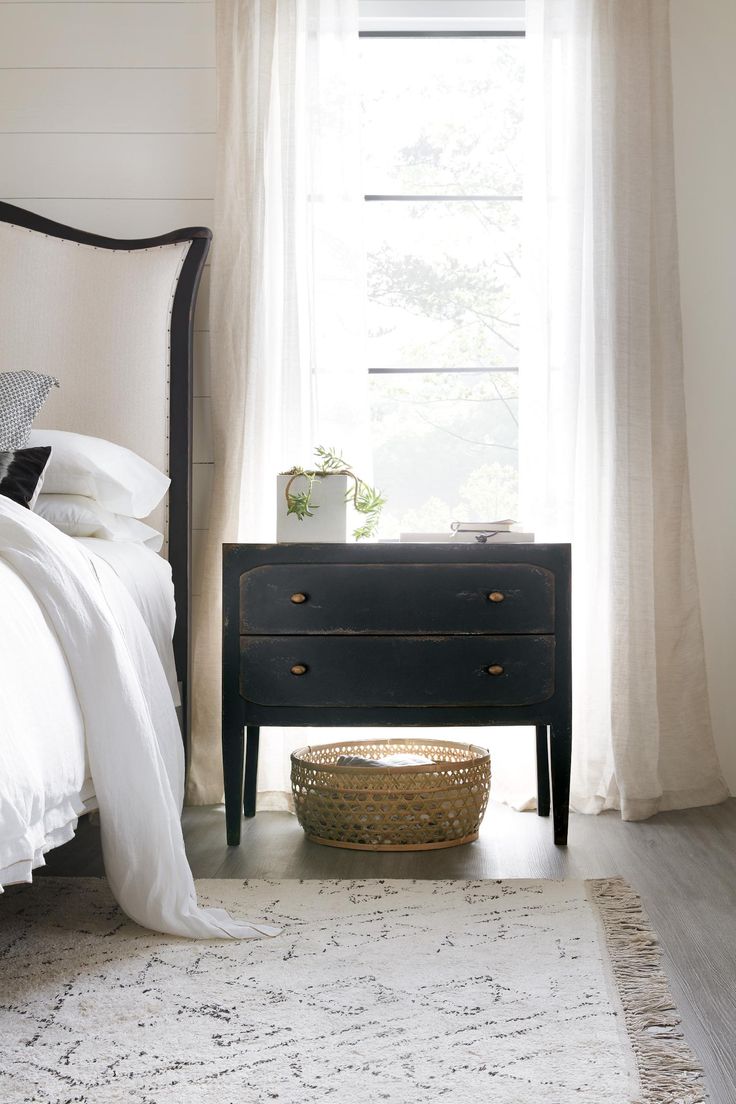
x=94 y=642
x=147 y=579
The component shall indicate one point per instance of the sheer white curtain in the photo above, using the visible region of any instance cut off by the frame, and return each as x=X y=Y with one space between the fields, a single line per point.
x=287 y=301
x=603 y=448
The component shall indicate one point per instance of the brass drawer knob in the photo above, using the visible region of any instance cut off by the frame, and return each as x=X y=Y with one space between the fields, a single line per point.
x=299 y=669
x=495 y=669
x=297 y=599
x=496 y=596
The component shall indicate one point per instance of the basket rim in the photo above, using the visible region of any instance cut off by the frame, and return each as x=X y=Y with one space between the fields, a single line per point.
x=482 y=755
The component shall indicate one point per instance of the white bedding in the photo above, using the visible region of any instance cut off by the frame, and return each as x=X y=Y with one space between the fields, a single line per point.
x=43 y=813
x=44 y=777
x=147 y=578
x=78 y=669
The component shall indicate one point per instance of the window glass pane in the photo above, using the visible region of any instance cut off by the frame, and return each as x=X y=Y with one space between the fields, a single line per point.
x=445 y=448
x=442 y=115
x=443 y=284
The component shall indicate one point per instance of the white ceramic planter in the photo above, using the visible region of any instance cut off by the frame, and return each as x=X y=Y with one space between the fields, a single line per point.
x=333 y=521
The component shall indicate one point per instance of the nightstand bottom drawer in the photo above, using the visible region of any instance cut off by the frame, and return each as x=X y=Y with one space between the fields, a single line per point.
x=408 y=671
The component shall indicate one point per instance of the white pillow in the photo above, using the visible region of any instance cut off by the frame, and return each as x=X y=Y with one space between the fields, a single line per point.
x=112 y=475
x=78 y=516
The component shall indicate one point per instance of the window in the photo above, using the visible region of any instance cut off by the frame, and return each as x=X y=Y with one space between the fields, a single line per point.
x=441 y=136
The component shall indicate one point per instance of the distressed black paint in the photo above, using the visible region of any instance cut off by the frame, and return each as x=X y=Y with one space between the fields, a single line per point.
x=396 y=635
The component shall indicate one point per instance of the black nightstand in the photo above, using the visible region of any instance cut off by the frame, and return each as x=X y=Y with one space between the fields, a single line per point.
x=396 y=634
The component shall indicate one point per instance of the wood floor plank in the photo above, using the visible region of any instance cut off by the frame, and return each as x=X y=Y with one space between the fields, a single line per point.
x=683 y=864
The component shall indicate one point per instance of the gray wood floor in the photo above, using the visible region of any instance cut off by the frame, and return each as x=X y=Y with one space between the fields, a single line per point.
x=683 y=865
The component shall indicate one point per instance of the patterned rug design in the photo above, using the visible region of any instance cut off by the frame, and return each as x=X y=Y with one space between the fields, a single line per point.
x=376 y=991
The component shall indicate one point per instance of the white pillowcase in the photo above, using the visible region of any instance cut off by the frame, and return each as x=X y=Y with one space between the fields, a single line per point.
x=117 y=478
x=78 y=516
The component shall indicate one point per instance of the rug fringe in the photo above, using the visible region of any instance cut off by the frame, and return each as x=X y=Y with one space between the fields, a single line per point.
x=668 y=1070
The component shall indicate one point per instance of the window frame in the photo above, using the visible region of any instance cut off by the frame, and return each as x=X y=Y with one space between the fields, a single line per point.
x=442 y=15
x=424 y=32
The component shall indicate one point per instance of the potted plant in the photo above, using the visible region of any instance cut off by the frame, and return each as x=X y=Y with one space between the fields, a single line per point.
x=323 y=504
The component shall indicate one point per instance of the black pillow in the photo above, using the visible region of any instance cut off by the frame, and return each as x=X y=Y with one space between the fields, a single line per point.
x=22 y=472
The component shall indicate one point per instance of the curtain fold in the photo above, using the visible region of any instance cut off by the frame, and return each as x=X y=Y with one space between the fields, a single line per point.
x=602 y=417
x=287 y=301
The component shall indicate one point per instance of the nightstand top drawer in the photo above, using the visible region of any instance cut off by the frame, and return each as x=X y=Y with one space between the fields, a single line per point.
x=388 y=671
x=396 y=598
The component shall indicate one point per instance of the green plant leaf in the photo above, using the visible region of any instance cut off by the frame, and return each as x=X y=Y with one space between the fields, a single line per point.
x=368 y=500
x=331 y=460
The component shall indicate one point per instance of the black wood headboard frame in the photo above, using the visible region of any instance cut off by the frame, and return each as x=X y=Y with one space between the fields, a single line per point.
x=180 y=408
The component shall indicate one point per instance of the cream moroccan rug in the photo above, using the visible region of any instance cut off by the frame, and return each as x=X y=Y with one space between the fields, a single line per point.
x=377 y=991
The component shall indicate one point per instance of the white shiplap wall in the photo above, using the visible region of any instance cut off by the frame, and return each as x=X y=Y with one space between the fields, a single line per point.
x=107 y=121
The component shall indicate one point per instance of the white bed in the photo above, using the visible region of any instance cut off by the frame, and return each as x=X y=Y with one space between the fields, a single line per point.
x=100 y=316
x=86 y=674
x=45 y=782
x=44 y=777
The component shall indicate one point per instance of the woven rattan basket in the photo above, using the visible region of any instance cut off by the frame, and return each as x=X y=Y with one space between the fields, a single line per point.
x=415 y=808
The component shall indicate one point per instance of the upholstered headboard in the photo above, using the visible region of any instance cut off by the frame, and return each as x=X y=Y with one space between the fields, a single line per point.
x=113 y=320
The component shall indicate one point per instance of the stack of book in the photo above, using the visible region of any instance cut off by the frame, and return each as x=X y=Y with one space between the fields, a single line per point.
x=505 y=531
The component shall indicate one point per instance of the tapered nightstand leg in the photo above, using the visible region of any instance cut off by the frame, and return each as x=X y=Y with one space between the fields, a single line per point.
x=251 y=771
x=560 y=756
x=542 y=772
x=232 y=764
